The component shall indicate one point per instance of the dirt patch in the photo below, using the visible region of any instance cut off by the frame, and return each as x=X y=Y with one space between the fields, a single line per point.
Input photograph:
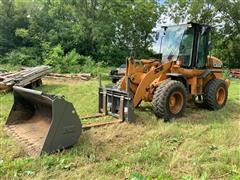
x=55 y=77
x=50 y=80
x=31 y=134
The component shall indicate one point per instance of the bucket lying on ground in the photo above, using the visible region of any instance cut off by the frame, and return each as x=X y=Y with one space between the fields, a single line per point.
x=42 y=122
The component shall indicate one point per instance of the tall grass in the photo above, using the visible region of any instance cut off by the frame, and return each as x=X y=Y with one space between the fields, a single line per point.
x=201 y=145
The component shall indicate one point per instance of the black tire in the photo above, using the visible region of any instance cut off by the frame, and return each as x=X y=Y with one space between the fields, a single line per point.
x=161 y=99
x=213 y=94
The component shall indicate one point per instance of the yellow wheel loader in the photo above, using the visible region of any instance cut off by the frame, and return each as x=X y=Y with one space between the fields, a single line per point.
x=183 y=72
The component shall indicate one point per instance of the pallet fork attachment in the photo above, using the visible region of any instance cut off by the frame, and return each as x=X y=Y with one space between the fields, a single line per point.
x=115 y=102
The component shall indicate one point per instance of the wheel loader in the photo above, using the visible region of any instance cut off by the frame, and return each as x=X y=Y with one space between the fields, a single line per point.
x=184 y=72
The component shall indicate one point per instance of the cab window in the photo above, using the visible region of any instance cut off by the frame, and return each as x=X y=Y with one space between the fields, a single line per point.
x=185 y=49
x=202 y=51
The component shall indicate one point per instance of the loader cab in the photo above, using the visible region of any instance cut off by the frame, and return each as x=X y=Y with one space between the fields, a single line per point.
x=188 y=43
x=193 y=48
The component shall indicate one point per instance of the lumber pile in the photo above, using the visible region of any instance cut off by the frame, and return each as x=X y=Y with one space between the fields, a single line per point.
x=235 y=73
x=82 y=76
x=22 y=78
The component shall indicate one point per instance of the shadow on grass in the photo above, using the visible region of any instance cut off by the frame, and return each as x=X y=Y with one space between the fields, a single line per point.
x=145 y=108
x=195 y=115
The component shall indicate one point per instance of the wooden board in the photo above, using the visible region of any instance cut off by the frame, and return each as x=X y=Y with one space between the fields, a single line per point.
x=22 y=78
x=82 y=76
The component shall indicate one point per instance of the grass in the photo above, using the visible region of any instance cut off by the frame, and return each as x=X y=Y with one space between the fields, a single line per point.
x=201 y=145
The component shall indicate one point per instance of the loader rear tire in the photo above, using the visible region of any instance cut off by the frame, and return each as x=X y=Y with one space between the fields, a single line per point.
x=169 y=100
x=215 y=94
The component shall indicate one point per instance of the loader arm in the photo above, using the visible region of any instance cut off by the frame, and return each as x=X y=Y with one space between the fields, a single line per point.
x=143 y=77
x=144 y=87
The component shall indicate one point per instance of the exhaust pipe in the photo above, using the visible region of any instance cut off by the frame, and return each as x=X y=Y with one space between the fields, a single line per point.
x=42 y=123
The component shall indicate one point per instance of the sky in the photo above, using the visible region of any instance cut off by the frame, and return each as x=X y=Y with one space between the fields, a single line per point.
x=161 y=1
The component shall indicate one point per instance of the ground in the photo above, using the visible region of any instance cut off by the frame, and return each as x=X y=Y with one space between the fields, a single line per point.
x=201 y=145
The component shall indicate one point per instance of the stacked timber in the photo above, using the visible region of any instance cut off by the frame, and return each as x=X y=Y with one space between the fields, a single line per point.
x=235 y=73
x=22 y=78
x=82 y=76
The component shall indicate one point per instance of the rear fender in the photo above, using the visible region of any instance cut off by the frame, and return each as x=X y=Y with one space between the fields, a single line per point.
x=179 y=77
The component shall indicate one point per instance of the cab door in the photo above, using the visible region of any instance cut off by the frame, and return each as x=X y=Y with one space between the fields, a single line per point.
x=202 y=50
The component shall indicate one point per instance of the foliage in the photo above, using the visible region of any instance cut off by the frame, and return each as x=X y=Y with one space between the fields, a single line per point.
x=9 y=67
x=101 y=29
x=108 y=30
x=22 y=56
x=72 y=62
x=56 y=59
x=94 y=68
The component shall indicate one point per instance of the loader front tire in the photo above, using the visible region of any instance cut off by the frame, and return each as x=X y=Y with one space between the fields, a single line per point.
x=169 y=100
x=215 y=94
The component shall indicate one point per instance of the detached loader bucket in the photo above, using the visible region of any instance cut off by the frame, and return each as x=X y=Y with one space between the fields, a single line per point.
x=42 y=122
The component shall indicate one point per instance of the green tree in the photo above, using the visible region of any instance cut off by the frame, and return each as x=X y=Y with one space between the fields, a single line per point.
x=14 y=15
x=105 y=30
x=7 y=26
x=102 y=29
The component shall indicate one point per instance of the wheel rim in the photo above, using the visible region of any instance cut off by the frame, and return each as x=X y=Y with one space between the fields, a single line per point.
x=221 y=94
x=176 y=102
